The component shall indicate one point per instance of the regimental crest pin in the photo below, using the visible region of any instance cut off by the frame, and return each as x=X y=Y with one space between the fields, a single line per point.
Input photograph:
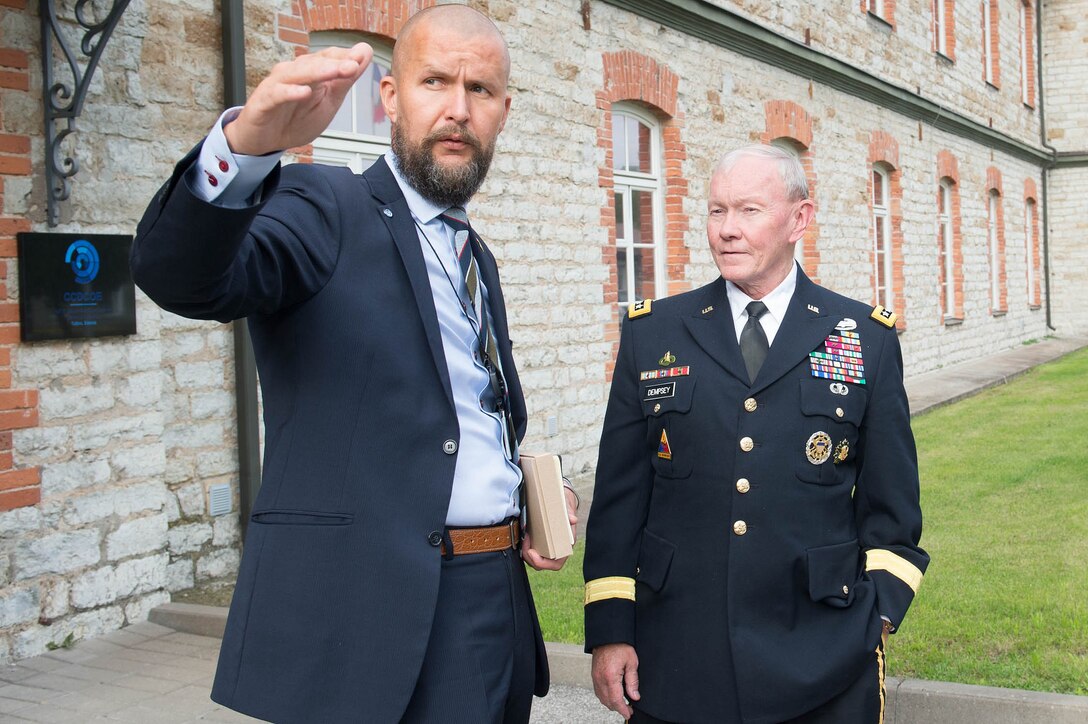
x=818 y=448
x=842 y=451
x=667 y=359
x=663 y=450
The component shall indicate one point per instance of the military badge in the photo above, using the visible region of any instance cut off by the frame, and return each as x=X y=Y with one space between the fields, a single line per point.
x=840 y=359
x=667 y=359
x=842 y=451
x=661 y=374
x=640 y=309
x=885 y=316
x=663 y=450
x=818 y=448
x=838 y=388
x=814 y=309
x=846 y=325
x=709 y=309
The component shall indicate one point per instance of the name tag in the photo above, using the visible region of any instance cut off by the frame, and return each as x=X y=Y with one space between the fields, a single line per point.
x=657 y=392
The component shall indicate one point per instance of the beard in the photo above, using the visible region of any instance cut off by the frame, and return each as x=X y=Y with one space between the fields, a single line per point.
x=440 y=184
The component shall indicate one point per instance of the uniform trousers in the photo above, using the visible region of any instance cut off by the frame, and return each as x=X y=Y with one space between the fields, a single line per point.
x=860 y=703
x=480 y=663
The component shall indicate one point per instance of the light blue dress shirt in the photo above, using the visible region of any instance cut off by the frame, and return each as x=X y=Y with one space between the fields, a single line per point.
x=485 y=480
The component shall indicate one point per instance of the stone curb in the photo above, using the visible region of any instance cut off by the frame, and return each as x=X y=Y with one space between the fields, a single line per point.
x=909 y=701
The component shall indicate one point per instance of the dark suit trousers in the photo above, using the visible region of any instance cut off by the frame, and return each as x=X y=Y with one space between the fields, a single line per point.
x=480 y=662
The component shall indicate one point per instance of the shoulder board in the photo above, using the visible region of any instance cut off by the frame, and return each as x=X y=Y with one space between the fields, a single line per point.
x=640 y=309
x=885 y=316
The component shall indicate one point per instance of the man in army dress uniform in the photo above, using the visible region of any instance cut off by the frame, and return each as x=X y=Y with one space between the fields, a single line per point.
x=754 y=532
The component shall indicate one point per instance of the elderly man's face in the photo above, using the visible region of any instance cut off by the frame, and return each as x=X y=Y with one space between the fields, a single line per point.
x=448 y=103
x=752 y=227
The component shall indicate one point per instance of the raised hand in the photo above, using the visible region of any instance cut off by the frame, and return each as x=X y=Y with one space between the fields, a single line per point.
x=297 y=101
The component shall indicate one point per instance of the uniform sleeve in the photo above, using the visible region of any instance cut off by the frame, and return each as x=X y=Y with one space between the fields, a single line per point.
x=621 y=496
x=886 y=500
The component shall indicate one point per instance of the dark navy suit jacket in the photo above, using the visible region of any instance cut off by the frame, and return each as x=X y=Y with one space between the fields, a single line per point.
x=339 y=577
x=771 y=618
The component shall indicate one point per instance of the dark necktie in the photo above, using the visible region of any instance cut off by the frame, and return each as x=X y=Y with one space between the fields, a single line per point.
x=456 y=218
x=753 y=340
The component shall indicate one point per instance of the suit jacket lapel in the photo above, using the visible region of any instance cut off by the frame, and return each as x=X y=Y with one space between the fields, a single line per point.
x=395 y=213
x=806 y=325
x=711 y=325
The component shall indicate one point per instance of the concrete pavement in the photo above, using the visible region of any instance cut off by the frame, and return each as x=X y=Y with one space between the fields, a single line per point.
x=160 y=672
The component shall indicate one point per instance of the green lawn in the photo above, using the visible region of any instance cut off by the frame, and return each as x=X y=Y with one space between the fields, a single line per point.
x=1005 y=498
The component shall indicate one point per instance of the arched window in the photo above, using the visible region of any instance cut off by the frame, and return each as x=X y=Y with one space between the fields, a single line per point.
x=944 y=242
x=882 y=237
x=637 y=189
x=359 y=132
x=1030 y=250
x=994 y=250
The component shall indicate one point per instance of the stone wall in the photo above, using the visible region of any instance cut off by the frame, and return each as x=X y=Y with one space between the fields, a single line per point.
x=117 y=440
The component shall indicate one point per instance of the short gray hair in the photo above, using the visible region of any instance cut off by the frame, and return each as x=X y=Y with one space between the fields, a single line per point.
x=790 y=169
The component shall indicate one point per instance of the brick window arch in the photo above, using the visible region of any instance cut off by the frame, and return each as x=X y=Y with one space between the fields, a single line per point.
x=789 y=126
x=995 y=246
x=944 y=28
x=886 y=224
x=641 y=84
x=1027 y=52
x=1031 y=244
x=949 y=238
x=991 y=42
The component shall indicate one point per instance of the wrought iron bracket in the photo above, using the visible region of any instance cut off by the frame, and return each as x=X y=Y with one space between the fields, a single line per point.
x=62 y=101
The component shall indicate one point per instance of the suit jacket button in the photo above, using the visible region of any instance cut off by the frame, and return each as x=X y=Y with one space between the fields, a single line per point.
x=449 y=447
x=743 y=486
x=435 y=538
x=750 y=404
x=740 y=527
x=746 y=444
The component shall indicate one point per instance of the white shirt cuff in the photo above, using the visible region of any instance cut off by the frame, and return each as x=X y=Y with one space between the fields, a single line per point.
x=228 y=179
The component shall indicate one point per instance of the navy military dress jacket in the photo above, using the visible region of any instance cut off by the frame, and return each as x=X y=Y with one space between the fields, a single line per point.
x=747 y=538
x=339 y=576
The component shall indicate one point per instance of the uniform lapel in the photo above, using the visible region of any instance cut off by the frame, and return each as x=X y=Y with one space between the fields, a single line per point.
x=395 y=213
x=806 y=325
x=711 y=325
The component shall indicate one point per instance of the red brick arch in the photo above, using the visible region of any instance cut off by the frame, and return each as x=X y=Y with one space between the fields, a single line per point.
x=790 y=121
x=994 y=184
x=884 y=150
x=633 y=77
x=948 y=168
x=377 y=17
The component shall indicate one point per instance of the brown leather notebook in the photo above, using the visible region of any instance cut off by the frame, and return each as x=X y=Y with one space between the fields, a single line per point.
x=546 y=504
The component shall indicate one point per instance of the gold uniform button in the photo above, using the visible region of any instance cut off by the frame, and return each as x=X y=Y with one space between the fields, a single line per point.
x=750 y=404
x=740 y=527
x=839 y=412
x=846 y=590
x=746 y=444
x=743 y=486
x=657 y=407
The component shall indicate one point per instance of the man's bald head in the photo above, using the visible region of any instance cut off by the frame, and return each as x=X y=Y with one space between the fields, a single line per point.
x=454 y=20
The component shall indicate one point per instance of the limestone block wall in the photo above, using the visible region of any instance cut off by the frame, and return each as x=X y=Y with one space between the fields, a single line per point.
x=111 y=445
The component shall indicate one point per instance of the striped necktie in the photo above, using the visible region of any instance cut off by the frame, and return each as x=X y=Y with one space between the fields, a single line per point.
x=456 y=218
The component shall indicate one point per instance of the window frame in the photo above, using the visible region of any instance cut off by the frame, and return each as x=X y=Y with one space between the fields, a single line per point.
x=993 y=241
x=987 y=43
x=882 y=247
x=940 y=27
x=356 y=151
x=1030 y=210
x=624 y=183
x=945 y=234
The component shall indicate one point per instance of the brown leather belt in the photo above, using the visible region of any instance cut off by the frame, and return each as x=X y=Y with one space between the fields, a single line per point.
x=484 y=540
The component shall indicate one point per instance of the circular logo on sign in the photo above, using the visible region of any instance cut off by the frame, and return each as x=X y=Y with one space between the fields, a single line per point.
x=83 y=257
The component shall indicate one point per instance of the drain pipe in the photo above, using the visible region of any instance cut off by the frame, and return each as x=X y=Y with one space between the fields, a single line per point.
x=245 y=369
x=1045 y=169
